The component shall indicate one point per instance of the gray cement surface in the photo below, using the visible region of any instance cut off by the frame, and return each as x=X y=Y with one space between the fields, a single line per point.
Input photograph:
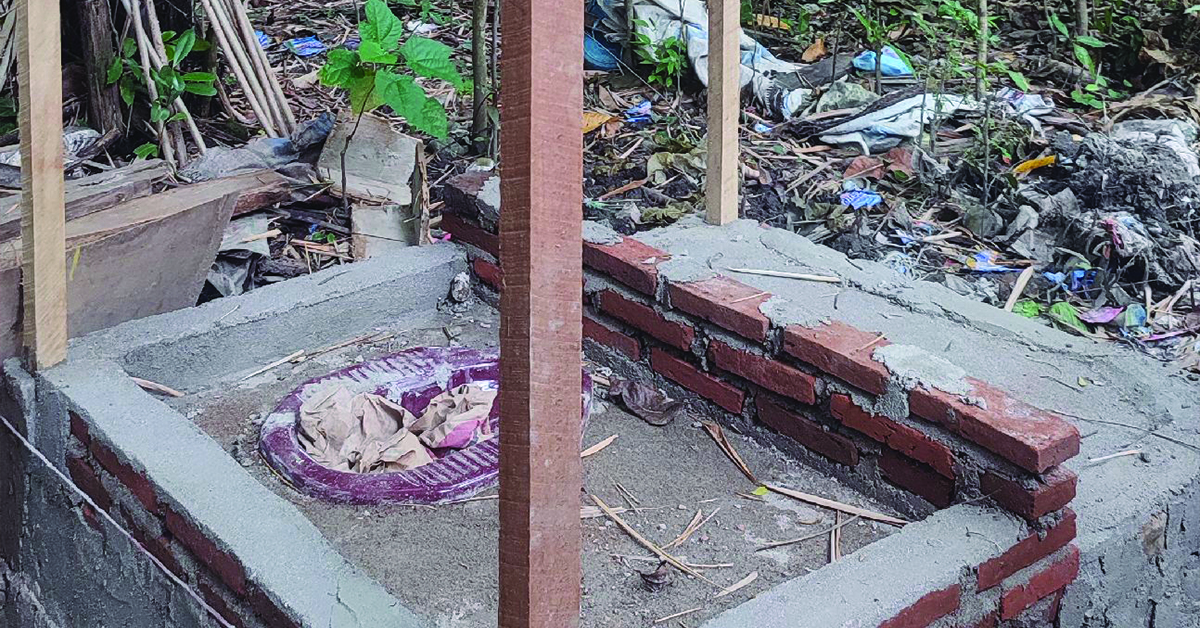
x=441 y=561
x=1132 y=402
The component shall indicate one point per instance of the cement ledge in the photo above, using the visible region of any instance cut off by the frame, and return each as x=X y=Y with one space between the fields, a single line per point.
x=281 y=552
x=182 y=347
x=881 y=580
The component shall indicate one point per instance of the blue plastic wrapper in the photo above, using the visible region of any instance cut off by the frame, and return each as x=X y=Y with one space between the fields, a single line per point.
x=892 y=64
x=263 y=40
x=985 y=262
x=759 y=127
x=599 y=56
x=639 y=114
x=861 y=199
x=305 y=46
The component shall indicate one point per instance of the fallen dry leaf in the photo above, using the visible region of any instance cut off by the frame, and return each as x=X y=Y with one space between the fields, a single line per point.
x=815 y=52
x=647 y=402
x=593 y=120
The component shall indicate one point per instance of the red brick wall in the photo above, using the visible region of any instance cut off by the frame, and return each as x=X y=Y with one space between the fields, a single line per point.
x=709 y=337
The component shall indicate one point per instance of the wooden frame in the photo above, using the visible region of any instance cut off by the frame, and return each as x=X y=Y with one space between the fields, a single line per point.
x=724 y=109
x=43 y=214
x=541 y=310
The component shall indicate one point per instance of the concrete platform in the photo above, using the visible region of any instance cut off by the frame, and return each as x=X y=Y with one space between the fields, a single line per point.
x=1138 y=516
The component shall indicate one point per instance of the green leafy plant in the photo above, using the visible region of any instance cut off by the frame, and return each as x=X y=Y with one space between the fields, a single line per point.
x=428 y=13
x=666 y=58
x=382 y=71
x=169 y=81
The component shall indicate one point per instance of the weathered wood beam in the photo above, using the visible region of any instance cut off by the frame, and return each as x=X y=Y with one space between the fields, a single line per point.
x=540 y=312
x=42 y=203
x=724 y=108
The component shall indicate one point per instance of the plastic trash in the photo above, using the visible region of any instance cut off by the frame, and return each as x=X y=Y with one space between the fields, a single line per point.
x=900 y=262
x=1101 y=315
x=861 y=199
x=638 y=114
x=883 y=130
x=599 y=56
x=263 y=39
x=891 y=65
x=759 y=127
x=985 y=262
x=305 y=46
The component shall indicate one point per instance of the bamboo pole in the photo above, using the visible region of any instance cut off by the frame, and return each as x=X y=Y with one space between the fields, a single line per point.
x=219 y=27
x=179 y=105
x=156 y=38
x=244 y=34
x=288 y=121
x=144 y=48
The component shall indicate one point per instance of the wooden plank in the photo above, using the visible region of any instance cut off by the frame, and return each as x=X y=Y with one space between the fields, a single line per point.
x=42 y=215
x=148 y=256
x=540 y=313
x=724 y=107
x=93 y=193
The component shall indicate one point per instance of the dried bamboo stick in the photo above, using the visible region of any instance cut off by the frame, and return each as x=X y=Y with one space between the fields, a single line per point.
x=135 y=12
x=249 y=43
x=226 y=45
x=288 y=121
x=156 y=39
x=179 y=106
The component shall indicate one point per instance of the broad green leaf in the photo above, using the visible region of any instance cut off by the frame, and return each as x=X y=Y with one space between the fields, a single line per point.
x=339 y=68
x=1059 y=26
x=201 y=45
x=1027 y=308
x=1092 y=88
x=158 y=113
x=433 y=119
x=179 y=117
x=364 y=96
x=129 y=48
x=127 y=91
x=402 y=94
x=200 y=89
x=1085 y=58
x=199 y=77
x=382 y=26
x=1192 y=10
x=371 y=52
x=168 y=35
x=1019 y=80
x=1066 y=314
x=430 y=59
x=149 y=149
x=114 y=71
x=1089 y=41
x=183 y=47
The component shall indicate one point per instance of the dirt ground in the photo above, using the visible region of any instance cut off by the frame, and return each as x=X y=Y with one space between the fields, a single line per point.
x=441 y=561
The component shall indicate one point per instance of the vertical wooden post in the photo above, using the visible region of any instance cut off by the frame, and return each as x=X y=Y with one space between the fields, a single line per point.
x=43 y=230
x=724 y=109
x=540 y=312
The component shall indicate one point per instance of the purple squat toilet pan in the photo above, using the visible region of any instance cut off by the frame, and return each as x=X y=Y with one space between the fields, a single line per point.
x=411 y=378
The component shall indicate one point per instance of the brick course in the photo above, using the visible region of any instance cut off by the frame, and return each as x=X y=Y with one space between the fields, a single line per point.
x=725 y=302
x=683 y=373
x=902 y=438
x=645 y=318
x=807 y=432
x=771 y=374
x=840 y=350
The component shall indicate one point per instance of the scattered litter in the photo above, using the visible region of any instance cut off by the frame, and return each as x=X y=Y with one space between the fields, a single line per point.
x=305 y=46
x=658 y=579
x=155 y=387
x=1131 y=452
x=890 y=65
x=861 y=199
x=598 y=447
x=738 y=585
x=645 y=401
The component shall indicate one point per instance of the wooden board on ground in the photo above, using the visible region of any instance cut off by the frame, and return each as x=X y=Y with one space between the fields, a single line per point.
x=144 y=257
x=379 y=163
x=91 y=194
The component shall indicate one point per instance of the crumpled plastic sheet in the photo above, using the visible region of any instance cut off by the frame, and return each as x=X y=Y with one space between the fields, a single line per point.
x=687 y=20
x=887 y=128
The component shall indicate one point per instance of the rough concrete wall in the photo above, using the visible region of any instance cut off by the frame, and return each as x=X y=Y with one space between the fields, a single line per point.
x=1151 y=578
x=69 y=570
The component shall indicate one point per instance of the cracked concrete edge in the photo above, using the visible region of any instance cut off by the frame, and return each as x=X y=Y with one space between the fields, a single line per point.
x=279 y=549
x=377 y=278
x=923 y=557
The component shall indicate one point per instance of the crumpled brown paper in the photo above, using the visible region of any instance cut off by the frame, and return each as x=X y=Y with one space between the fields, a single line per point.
x=367 y=433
